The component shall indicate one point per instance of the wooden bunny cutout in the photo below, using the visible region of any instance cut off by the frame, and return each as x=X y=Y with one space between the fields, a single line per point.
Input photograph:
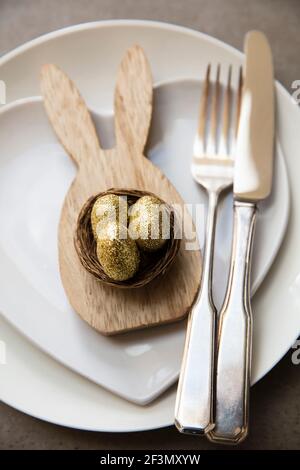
x=111 y=310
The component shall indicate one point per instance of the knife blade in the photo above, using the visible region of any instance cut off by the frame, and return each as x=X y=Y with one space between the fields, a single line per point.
x=254 y=150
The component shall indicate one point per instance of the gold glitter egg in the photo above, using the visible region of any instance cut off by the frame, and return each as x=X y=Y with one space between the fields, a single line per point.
x=117 y=252
x=149 y=223
x=108 y=208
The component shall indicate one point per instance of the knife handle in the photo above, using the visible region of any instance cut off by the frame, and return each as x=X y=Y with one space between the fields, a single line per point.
x=194 y=400
x=235 y=336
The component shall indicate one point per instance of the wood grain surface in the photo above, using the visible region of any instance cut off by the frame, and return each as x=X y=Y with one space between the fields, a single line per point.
x=108 y=309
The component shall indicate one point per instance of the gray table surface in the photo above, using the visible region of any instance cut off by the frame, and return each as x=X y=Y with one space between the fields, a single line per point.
x=275 y=405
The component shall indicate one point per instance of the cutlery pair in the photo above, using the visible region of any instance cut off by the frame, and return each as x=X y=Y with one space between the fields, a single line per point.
x=230 y=147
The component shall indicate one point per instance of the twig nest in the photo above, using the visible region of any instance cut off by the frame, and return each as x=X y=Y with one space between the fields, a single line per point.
x=121 y=256
x=117 y=252
x=149 y=223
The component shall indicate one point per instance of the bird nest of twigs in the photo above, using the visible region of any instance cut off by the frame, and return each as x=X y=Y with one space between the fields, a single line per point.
x=152 y=264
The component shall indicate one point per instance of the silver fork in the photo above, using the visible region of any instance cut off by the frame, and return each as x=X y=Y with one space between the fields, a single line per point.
x=212 y=167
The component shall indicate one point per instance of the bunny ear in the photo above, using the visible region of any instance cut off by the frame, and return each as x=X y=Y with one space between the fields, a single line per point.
x=133 y=100
x=68 y=115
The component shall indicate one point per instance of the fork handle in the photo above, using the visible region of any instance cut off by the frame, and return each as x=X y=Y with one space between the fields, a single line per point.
x=235 y=335
x=194 y=401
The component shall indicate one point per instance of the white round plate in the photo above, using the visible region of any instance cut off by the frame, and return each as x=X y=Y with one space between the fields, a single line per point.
x=184 y=54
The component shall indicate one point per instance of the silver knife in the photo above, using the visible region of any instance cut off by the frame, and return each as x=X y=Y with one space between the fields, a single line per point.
x=252 y=183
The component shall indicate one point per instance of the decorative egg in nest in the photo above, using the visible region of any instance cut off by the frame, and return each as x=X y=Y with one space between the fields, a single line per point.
x=117 y=253
x=108 y=208
x=121 y=256
x=149 y=223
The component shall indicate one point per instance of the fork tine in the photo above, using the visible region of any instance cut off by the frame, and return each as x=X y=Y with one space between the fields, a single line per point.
x=203 y=111
x=224 y=138
x=218 y=116
x=215 y=105
x=239 y=101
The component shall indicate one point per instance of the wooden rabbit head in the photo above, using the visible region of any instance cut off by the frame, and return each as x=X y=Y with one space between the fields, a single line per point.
x=111 y=310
